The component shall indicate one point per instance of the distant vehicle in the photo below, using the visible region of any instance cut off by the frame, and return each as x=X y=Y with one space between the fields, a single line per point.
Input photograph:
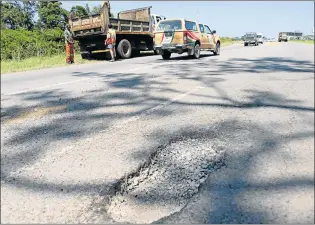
x=181 y=35
x=260 y=38
x=282 y=37
x=251 y=38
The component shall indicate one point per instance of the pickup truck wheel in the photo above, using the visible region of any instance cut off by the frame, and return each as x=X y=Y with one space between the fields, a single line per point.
x=166 y=55
x=217 y=49
x=124 y=49
x=196 y=54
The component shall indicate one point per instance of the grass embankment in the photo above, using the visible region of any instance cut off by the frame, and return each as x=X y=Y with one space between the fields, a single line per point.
x=33 y=63
x=226 y=43
x=311 y=42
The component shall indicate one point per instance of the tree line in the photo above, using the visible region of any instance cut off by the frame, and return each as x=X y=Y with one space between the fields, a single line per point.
x=23 y=36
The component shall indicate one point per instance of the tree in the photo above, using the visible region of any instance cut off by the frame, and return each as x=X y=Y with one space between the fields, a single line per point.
x=79 y=11
x=51 y=14
x=96 y=9
x=16 y=14
x=87 y=8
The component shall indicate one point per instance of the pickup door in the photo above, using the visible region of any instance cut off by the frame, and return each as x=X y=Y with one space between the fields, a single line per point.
x=210 y=36
x=205 y=44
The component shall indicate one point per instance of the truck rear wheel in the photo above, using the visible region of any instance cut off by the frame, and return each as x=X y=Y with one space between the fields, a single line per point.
x=85 y=56
x=124 y=49
x=166 y=55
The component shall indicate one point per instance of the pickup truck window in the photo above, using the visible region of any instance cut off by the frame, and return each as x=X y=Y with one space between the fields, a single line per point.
x=202 y=29
x=207 y=29
x=158 y=19
x=169 y=25
x=191 y=26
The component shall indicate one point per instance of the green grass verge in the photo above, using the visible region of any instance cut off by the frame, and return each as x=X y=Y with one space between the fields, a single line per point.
x=311 y=42
x=33 y=63
x=226 y=43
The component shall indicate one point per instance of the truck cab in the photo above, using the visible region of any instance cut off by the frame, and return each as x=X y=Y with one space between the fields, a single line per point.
x=282 y=37
x=155 y=19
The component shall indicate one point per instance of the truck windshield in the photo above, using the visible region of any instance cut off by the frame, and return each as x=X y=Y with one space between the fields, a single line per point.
x=259 y=36
x=169 y=25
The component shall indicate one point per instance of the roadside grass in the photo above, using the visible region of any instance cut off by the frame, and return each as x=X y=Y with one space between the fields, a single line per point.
x=226 y=43
x=311 y=42
x=34 y=63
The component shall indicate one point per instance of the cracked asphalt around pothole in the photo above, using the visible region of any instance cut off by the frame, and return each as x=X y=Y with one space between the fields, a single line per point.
x=223 y=139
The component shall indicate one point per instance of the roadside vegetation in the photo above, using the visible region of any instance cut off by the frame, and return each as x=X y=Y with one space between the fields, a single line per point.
x=27 y=44
x=304 y=41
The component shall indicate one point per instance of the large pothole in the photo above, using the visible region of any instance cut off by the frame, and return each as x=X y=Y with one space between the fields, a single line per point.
x=166 y=183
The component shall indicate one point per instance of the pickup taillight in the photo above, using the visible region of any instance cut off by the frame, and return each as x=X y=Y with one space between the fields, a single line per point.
x=185 y=37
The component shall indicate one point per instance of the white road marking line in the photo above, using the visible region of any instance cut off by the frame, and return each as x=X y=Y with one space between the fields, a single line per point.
x=48 y=86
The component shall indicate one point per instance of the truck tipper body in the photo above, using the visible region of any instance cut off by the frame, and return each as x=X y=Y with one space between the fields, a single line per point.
x=134 y=31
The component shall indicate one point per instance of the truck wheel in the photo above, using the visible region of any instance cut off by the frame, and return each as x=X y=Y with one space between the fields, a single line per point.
x=217 y=49
x=166 y=55
x=85 y=56
x=196 y=54
x=124 y=49
x=245 y=44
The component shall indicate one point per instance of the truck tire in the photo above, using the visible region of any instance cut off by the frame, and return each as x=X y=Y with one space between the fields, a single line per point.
x=245 y=44
x=196 y=54
x=166 y=55
x=217 y=49
x=124 y=49
x=85 y=56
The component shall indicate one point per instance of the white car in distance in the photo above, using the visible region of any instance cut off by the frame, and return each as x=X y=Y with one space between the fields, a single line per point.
x=260 y=38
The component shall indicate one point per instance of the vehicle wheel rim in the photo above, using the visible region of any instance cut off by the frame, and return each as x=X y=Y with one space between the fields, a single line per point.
x=125 y=49
x=197 y=50
x=218 y=48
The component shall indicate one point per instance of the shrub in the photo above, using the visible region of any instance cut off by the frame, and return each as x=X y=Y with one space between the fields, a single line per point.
x=20 y=44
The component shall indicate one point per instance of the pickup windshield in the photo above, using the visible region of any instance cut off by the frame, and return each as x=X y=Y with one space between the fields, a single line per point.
x=250 y=35
x=169 y=25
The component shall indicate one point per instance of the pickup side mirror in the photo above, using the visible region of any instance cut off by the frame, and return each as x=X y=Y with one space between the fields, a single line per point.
x=214 y=31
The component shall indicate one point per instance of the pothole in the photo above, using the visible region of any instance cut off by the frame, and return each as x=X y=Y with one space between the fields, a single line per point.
x=166 y=183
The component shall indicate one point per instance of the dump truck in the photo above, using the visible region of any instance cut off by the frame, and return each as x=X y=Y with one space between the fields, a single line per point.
x=134 y=31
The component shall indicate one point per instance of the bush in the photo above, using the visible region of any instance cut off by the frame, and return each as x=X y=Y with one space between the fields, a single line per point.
x=20 y=44
x=226 y=39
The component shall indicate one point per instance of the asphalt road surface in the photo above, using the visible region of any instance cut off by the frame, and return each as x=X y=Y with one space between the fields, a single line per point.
x=222 y=139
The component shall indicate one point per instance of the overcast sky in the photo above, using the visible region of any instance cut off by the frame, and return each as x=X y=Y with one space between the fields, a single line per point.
x=229 y=18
